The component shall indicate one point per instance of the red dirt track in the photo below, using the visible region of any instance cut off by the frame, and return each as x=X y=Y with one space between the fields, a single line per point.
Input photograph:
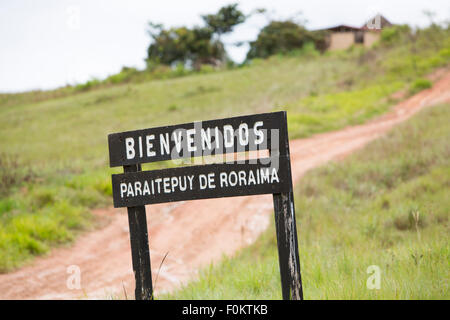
x=194 y=233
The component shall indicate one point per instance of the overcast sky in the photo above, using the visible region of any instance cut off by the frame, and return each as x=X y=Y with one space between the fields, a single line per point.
x=49 y=43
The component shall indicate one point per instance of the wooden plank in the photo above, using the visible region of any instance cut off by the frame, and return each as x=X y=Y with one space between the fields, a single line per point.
x=194 y=139
x=198 y=182
x=140 y=252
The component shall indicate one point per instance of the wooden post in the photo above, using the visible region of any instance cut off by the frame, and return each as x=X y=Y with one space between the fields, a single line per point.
x=140 y=252
x=286 y=227
x=291 y=282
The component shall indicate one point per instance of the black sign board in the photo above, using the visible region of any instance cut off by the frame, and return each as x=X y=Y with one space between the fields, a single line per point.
x=238 y=134
x=196 y=182
x=245 y=135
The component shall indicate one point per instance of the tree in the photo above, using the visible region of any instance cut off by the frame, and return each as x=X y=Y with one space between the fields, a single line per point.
x=169 y=46
x=280 y=37
x=186 y=46
x=194 y=46
x=224 y=20
x=204 y=49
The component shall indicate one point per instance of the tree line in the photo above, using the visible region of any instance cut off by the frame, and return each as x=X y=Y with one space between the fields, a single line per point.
x=200 y=45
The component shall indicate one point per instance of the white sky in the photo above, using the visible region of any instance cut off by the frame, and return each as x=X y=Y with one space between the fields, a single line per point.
x=49 y=43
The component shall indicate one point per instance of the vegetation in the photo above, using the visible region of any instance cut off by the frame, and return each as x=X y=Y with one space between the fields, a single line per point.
x=195 y=46
x=283 y=37
x=12 y=174
x=224 y=20
x=420 y=84
x=386 y=205
x=395 y=33
x=48 y=212
x=57 y=141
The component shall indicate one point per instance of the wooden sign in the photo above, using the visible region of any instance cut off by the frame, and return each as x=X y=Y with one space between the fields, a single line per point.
x=196 y=182
x=233 y=176
x=188 y=140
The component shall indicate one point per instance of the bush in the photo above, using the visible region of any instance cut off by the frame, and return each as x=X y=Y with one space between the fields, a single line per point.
x=394 y=33
x=280 y=37
x=445 y=53
x=88 y=85
x=419 y=85
x=125 y=75
x=12 y=173
x=206 y=68
x=308 y=50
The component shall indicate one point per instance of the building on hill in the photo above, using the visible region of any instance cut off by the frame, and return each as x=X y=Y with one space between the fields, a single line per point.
x=344 y=36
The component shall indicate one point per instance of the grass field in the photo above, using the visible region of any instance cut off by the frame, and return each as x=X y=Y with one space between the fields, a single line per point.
x=387 y=205
x=53 y=146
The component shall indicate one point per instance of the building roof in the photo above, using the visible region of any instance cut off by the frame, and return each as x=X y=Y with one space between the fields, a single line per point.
x=377 y=22
x=342 y=28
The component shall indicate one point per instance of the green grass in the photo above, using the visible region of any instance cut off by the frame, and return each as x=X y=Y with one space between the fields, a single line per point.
x=58 y=139
x=419 y=85
x=387 y=205
x=40 y=216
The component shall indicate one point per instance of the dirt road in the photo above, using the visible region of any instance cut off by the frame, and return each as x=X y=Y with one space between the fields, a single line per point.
x=194 y=233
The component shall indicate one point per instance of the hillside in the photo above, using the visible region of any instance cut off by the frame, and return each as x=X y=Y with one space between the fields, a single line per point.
x=54 y=153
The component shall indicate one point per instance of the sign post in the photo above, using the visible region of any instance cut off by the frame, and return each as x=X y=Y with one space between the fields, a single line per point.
x=286 y=229
x=210 y=141
x=140 y=252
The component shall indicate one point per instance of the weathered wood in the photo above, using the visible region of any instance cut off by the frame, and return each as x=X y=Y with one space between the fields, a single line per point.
x=259 y=126
x=130 y=150
x=140 y=252
x=286 y=229
x=197 y=182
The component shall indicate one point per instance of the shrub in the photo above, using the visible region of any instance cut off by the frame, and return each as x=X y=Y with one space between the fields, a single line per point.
x=410 y=221
x=12 y=173
x=419 y=85
x=206 y=68
x=445 y=53
x=43 y=197
x=394 y=33
x=280 y=37
x=125 y=75
x=88 y=85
